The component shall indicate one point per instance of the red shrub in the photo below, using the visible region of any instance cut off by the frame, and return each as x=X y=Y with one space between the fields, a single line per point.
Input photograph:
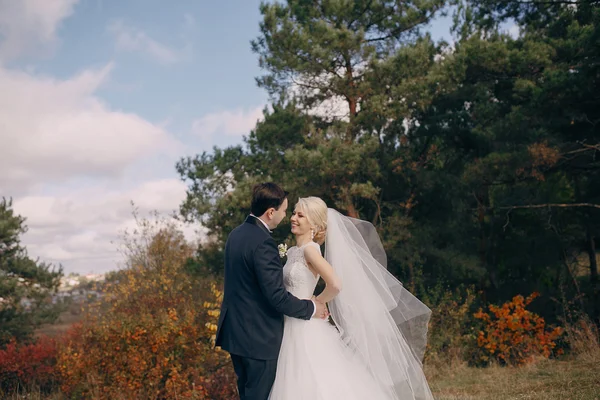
x=222 y=384
x=27 y=365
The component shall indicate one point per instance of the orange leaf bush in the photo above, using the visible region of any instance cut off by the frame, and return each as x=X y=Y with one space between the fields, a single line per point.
x=514 y=335
x=152 y=335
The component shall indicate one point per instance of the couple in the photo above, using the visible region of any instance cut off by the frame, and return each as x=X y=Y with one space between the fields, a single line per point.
x=278 y=335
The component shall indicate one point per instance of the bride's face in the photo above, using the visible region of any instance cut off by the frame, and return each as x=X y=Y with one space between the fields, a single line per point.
x=300 y=224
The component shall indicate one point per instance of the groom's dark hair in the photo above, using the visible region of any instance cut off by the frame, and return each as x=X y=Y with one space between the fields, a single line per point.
x=267 y=195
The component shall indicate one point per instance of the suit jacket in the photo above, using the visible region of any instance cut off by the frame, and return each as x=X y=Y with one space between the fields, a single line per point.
x=255 y=299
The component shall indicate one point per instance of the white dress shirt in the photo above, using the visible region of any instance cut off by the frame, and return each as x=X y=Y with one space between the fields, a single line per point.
x=263 y=222
x=269 y=229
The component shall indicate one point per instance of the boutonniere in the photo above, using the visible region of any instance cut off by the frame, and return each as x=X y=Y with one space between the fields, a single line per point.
x=282 y=250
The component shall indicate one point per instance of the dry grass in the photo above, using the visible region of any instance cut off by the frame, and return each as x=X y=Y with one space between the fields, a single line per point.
x=573 y=378
x=584 y=339
x=547 y=379
x=66 y=319
x=35 y=395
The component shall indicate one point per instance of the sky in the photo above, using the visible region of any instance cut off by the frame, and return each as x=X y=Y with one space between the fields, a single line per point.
x=100 y=98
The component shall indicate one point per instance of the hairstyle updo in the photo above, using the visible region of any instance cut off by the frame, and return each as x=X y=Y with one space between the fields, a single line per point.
x=315 y=211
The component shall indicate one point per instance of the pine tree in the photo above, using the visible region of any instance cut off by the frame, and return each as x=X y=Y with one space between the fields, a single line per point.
x=26 y=285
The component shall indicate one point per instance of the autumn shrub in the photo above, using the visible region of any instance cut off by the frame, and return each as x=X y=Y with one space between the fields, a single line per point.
x=514 y=335
x=221 y=385
x=152 y=334
x=28 y=365
x=583 y=339
x=452 y=335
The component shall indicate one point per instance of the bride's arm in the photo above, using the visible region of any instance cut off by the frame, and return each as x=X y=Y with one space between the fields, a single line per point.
x=323 y=268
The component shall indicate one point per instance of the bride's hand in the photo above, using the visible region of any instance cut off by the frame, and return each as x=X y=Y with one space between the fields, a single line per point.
x=321 y=311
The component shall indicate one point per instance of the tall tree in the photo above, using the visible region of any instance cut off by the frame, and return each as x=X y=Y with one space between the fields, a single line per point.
x=319 y=54
x=477 y=161
x=319 y=50
x=559 y=103
x=25 y=284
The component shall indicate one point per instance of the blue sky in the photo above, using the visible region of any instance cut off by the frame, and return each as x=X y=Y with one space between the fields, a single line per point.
x=202 y=64
x=100 y=98
x=208 y=66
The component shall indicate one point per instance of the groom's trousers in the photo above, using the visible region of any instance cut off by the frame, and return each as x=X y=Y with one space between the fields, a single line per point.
x=255 y=377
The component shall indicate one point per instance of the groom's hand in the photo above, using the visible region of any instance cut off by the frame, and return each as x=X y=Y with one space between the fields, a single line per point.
x=321 y=312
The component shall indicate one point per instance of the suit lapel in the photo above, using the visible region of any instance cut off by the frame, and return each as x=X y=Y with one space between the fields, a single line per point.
x=254 y=221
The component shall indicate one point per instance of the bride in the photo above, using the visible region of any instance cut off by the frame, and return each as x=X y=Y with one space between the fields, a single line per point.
x=374 y=351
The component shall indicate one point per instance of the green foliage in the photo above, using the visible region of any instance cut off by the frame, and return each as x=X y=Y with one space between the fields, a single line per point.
x=478 y=162
x=26 y=285
x=324 y=48
x=453 y=329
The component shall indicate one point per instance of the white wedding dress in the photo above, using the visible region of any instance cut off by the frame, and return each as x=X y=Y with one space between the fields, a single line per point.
x=314 y=362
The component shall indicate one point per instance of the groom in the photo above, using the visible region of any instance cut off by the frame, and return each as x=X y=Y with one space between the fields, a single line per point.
x=255 y=299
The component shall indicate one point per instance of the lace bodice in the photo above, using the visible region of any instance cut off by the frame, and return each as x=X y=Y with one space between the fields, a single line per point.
x=297 y=277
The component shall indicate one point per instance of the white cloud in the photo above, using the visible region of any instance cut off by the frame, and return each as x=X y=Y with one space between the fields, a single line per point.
x=58 y=130
x=334 y=108
x=72 y=163
x=30 y=25
x=80 y=229
x=133 y=39
x=514 y=31
x=62 y=139
x=236 y=123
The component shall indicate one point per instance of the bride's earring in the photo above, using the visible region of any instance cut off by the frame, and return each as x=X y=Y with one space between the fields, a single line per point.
x=312 y=234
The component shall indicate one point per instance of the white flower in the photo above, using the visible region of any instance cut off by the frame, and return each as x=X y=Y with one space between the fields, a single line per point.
x=282 y=250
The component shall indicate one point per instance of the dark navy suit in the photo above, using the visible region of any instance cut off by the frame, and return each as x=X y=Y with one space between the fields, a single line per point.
x=254 y=302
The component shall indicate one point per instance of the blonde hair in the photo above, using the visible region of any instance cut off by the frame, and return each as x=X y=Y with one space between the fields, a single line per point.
x=315 y=210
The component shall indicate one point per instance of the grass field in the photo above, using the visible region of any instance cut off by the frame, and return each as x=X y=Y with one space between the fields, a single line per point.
x=574 y=379
x=64 y=322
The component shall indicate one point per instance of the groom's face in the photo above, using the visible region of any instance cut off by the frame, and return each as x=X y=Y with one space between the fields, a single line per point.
x=279 y=215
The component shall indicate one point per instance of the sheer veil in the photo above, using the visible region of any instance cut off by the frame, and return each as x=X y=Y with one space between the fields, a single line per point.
x=377 y=317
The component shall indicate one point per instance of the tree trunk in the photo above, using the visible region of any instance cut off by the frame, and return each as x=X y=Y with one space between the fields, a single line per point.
x=411 y=277
x=591 y=250
x=352 y=211
x=482 y=236
x=351 y=98
x=352 y=105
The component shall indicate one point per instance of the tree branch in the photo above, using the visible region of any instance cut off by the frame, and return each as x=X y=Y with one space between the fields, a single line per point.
x=403 y=29
x=587 y=148
x=548 y=205
x=591 y=146
x=549 y=2
x=362 y=13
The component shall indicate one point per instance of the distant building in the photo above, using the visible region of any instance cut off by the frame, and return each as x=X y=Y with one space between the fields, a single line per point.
x=68 y=283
